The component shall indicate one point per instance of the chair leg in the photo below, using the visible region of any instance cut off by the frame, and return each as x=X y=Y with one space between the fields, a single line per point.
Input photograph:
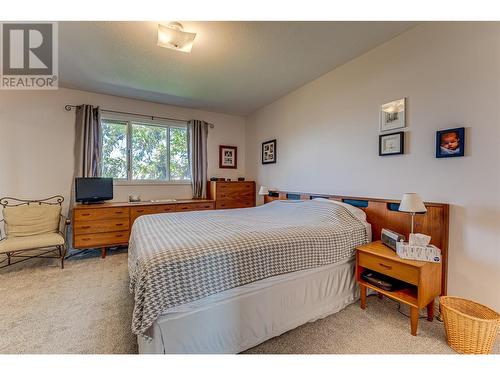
x=8 y=259
x=62 y=253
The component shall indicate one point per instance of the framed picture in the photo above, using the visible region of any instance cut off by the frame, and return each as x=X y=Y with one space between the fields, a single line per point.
x=269 y=152
x=450 y=143
x=393 y=115
x=228 y=157
x=391 y=144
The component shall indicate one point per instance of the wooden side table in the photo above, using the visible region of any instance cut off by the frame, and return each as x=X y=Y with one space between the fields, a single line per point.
x=422 y=280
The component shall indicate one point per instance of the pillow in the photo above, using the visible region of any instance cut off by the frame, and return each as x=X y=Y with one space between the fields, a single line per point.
x=30 y=220
x=357 y=212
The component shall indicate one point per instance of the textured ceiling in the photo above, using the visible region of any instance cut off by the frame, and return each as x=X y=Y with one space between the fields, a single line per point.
x=234 y=67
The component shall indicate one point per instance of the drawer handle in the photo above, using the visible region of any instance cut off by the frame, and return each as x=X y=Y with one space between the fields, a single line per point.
x=385 y=266
x=86 y=227
x=85 y=239
x=119 y=235
x=140 y=210
x=118 y=212
x=85 y=214
x=119 y=225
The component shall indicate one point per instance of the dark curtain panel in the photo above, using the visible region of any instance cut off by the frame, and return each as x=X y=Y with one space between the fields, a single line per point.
x=88 y=141
x=88 y=144
x=198 y=134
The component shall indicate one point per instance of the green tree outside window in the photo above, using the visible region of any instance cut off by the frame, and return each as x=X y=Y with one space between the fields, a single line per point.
x=157 y=152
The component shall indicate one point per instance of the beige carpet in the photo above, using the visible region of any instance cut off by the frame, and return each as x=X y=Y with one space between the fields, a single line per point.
x=86 y=308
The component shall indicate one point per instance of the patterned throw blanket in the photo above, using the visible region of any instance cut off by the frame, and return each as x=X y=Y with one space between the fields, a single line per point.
x=178 y=258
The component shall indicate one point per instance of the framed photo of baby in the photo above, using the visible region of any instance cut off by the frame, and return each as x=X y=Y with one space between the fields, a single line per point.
x=450 y=143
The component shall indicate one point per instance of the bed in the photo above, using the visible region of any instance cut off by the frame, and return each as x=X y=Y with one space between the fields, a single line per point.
x=224 y=281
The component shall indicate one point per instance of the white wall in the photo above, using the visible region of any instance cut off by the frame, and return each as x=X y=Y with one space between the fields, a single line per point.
x=37 y=138
x=327 y=138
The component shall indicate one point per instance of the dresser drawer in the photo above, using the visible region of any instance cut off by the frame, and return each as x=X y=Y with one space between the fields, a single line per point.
x=239 y=186
x=229 y=203
x=101 y=239
x=135 y=212
x=88 y=214
x=389 y=267
x=166 y=208
x=235 y=194
x=143 y=210
x=195 y=206
x=100 y=226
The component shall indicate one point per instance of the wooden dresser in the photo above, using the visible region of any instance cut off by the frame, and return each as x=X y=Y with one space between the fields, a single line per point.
x=232 y=194
x=109 y=224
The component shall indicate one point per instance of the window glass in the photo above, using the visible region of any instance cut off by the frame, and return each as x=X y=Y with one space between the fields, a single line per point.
x=114 y=149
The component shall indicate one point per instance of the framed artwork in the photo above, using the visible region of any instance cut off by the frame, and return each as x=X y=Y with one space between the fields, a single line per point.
x=228 y=157
x=450 y=143
x=391 y=144
x=393 y=115
x=269 y=152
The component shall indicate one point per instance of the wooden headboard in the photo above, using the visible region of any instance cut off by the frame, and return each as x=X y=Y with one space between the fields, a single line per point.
x=383 y=213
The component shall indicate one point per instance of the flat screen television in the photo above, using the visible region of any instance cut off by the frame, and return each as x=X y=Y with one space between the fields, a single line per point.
x=93 y=189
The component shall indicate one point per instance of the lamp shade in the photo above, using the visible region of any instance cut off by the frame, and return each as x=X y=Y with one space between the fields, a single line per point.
x=411 y=202
x=174 y=37
x=263 y=190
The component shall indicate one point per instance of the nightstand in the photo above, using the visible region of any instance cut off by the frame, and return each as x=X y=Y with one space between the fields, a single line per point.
x=422 y=280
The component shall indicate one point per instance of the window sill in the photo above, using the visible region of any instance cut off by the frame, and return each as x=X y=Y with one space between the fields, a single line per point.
x=151 y=183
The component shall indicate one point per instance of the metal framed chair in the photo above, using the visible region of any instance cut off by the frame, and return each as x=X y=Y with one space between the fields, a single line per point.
x=32 y=225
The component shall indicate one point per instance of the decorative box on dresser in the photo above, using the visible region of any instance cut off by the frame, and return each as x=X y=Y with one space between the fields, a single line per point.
x=108 y=224
x=232 y=194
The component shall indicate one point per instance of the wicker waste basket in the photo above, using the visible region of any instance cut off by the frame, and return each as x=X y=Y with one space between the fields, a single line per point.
x=471 y=328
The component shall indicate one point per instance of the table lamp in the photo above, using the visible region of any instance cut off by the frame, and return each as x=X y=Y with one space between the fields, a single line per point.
x=412 y=203
x=263 y=190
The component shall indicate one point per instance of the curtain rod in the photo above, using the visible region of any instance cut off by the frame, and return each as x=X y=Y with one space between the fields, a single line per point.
x=69 y=107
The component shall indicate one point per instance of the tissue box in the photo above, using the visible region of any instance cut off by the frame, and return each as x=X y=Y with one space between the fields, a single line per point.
x=429 y=253
x=419 y=239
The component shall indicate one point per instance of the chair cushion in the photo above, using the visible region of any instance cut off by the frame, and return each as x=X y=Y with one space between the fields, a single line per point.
x=31 y=242
x=29 y=220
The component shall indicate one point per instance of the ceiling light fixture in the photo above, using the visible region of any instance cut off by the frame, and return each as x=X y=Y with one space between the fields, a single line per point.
x=174 y=37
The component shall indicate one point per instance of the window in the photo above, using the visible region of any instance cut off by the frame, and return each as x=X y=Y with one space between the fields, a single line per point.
x=138 y=151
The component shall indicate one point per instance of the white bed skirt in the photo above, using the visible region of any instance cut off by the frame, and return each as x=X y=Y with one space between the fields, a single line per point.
x=240 y=318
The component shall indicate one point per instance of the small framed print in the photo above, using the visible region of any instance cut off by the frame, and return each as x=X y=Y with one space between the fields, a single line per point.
x=228 y=157
x=269 y=152
x=450 y=143
x=393 y=115
x=391 y=144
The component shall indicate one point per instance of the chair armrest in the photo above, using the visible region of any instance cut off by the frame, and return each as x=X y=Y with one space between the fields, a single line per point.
x=2 y=229
x=63 y=225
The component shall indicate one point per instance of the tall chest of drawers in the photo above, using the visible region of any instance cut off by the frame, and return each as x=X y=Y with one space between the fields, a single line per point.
x=232 y=194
